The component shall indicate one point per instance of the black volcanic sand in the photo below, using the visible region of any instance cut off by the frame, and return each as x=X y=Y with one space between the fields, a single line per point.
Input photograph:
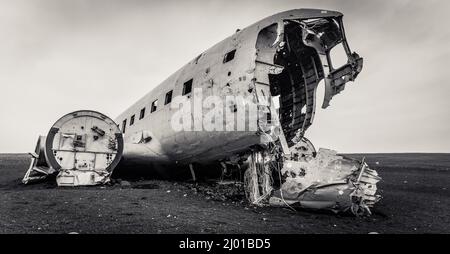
x=415 y=189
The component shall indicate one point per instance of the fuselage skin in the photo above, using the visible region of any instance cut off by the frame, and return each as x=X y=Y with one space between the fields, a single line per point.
x=215 y=77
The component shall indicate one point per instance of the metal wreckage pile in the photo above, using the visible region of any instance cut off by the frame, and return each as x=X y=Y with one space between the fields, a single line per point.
x=310 y=179
x=285 y=170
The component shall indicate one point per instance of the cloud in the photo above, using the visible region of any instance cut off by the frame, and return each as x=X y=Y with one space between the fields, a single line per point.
x=58 y=56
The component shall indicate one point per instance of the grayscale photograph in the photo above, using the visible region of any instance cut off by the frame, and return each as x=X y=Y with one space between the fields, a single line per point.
x=211 y=117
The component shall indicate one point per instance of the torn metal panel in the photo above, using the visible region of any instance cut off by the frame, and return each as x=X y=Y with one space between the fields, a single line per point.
x=323 y=35
x=258 y=182
x=39 y=168
x=299 y=50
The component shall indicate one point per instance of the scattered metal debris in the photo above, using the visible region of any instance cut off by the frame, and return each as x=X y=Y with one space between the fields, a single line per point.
x=328 y=181
x=310 y=179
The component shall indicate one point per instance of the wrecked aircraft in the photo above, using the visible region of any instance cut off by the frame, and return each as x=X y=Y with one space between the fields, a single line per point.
x=276 y=65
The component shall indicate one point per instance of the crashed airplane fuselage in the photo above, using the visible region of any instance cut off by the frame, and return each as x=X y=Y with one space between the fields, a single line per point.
x=243 y=104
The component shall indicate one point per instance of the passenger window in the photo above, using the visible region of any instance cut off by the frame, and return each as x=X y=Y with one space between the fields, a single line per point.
x=154 y=106
x=124 y=125
x=187 y=87
x=168 y=97
x=229 y=56
x=142 y=114
x=132 y=120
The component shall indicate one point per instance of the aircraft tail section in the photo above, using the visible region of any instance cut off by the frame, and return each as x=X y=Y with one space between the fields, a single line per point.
x=82 y=148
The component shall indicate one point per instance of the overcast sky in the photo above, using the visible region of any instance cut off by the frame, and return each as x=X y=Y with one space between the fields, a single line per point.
x=58 y=56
